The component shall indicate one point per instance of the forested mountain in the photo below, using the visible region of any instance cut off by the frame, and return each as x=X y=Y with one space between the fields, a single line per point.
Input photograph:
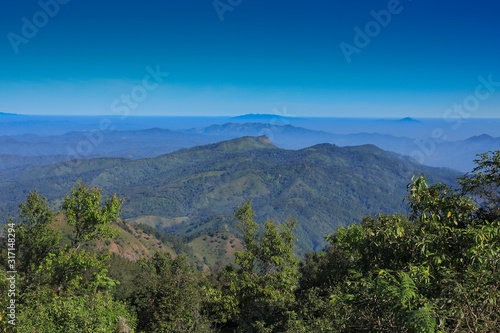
x=196 y=189
x=136 y=144
x=440 y=153
x=14 y=161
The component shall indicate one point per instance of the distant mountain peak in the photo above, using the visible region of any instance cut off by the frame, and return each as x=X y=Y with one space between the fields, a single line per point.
x=409 y=120
x=482 y=137
x=259 y=141
x=253 y=116
x=263 y=139
x=244 y=144
x=8 y=114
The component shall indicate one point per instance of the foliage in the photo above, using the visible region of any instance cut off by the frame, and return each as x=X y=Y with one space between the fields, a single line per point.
x=73 y=313
x=74 y=271
x=35 y=240
x=257 y=295
x=484 y=184
x=438 y=269
x=170 y=297
x=83 y=210
x=4 y=301
x=61 y=288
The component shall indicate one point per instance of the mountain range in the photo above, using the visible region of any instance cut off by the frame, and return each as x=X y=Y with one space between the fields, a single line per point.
x=16 y=151
x=457 y=155
x=194 y=191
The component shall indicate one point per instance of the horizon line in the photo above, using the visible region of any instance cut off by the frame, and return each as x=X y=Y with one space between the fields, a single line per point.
x=225 y=116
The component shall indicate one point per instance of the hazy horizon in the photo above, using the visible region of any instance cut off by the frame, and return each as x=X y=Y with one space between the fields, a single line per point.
x=246 y=114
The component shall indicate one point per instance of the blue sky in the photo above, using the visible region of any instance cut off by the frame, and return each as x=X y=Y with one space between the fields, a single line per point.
x=263 y=57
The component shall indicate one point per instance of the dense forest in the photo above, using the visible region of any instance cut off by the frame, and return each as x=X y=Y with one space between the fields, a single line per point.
x=434 y=269
x=195 y=190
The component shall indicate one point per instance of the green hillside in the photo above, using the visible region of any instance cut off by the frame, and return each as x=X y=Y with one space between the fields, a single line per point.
x=196 y=189
x=135 y=241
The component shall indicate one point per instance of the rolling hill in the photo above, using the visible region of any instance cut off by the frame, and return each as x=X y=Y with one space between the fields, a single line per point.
x=135 y=241
x=196 y=189
x=457 y=155
x=19 y=153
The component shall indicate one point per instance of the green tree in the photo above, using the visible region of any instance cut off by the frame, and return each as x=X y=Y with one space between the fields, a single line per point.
x=483 y=183
x=35 y=239
x=461 y=250
x=91 y=219
x=436 y=269
x=169 y=297
x=97 y=312
x=259 y=295
x=65 y=289
x=74 y=271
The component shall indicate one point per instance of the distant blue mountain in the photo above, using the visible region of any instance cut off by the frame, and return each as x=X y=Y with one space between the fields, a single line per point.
x=481 y=138
x=457 y=155
x=137 y=144
x=8 y=114
x=260 y=117
x=409 y=120
x=291 y=137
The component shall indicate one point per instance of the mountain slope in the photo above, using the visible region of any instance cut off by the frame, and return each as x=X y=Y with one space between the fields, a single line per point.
x=14 y=161
x=16 y=150
x=131 y=144
x=458 y=155
x=136 y=241
x=322 y=186
x=291 y=137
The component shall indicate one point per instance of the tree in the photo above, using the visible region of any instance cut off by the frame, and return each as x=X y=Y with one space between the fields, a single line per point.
x=74 y=313
x=435 y=269
x=84 y=211
x=169 y=295
x=484 y=184
x=258 y=295
x=65 y=289
x=36 y=240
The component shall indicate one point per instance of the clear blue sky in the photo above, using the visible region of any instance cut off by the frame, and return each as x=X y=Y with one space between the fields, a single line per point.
x=263 y=56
